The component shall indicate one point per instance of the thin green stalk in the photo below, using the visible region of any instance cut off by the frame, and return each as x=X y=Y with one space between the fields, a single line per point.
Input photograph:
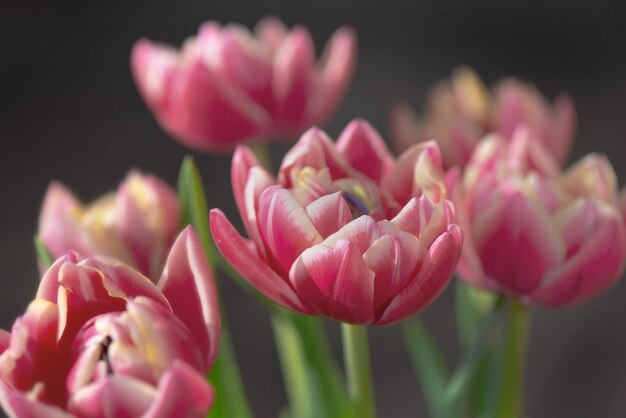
x=515 y=347
x=312 y=379
x=358 y=370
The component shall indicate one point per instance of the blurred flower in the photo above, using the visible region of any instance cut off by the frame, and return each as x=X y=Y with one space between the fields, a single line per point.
x=228 y=85
x=344 y=231
x=101 y=340
x=552 y=238
x=459 y=112
x=136 y=225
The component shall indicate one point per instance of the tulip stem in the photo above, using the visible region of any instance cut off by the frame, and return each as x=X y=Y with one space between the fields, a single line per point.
x=516 y=344
x=358 y=370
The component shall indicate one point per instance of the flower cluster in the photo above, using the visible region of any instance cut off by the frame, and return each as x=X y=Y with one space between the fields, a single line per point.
x=460 y=112
x=345 y=231
x=100 y=339
x=227 y=85
x=126 y=322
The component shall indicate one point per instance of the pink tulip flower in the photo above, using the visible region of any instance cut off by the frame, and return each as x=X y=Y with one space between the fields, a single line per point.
x=136 y=225
x=344 y=231
x=101 y=340
x=461 y=111
x=548 y=237
x=228 y=85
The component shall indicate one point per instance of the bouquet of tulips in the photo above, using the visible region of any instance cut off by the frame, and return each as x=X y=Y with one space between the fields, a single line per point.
x=126 y=319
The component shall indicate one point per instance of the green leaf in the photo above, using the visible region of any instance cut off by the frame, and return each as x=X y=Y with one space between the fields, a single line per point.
x=230 y=399
x=43 y=255
x=429 y=365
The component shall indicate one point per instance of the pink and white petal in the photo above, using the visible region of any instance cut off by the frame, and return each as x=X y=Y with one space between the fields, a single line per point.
x=595 y=267
x=245 y=62
x=119 y=280
x=209 y=113
x=564 y=127
x=5 y=339
x=403 y=127
x=364 y=149
x=58 y=229
x=293 y=77
x=431 y=281
x=592 y=176
x=418 y=171
x=111 y=397
x=521 y=246
x=285 y=226
x=362 y=232
x=258 y=181
x=395 y=260
x=271 y=31
x=239 y=254
x=49 y=284
x=243 y=160
x=20 y=405
x=154 y=67
x=314 y=149
x=337 y=68
x=335 y=282
x=329 y=213
x=188 y=284
x=182 y=392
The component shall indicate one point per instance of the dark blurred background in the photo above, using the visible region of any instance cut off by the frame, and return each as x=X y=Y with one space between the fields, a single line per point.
x=69 y=111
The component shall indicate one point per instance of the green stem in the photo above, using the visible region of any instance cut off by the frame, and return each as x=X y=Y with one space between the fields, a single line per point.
x=358 y=370
x=230 y=399
x=517 y=332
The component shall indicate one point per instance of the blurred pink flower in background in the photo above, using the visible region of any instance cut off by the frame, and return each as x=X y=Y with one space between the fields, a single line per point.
x=552 y=238
x=101 y=340
x=136 y=225
x=228 y=85
x=345 y=231
x=460 y=111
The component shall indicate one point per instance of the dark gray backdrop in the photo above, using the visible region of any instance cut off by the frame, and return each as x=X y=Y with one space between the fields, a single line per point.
x=69 y=110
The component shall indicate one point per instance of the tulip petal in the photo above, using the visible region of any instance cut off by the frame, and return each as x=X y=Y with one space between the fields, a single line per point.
x=364 y=149
x=284 y=225
x=57 y=229
x=519 y=245
x=292 y=79
x=316 y=150
x=594 y=267
x=187 y=283
x=395 y=260
x=337 y=67
x=19 y=405
x=329 y=214
x=272 y=31
x=182 y=392
x=403 y=127
x=111 y=397
x=336 y=282
x=205 y=107
x=5 y=339
x=433 y=278
x=154 y=67
x=237 y=251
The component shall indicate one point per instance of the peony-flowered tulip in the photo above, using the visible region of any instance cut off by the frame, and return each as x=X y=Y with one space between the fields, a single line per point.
x=345 y=231
x=136 y=225
x=227 y=85
x=461 y=111
x=549 y=237
x=102 y=340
